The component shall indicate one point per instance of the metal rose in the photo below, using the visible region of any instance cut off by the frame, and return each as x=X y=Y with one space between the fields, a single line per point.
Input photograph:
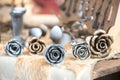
x=100 y=44
x=35 y=46
x=14 y=48
x=81 y=50
x=54 y=54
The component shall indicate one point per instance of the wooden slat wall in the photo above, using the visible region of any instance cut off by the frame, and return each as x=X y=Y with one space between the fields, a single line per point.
x=107 y=25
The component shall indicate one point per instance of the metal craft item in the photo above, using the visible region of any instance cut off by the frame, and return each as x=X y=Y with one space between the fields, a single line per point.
x=54 y=54
x=100 y=44
x=14 y=47
x=17 y=20
x=35 y=46
x=81 y=50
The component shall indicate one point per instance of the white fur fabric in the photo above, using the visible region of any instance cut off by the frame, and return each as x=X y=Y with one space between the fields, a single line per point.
x=7 y=67
x=36 y=68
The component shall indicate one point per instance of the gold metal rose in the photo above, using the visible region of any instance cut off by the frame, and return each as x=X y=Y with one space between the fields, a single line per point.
x=35 y=46
x=100 y=44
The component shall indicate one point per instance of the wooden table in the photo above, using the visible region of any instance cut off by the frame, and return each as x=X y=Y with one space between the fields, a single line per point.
x=106 y=67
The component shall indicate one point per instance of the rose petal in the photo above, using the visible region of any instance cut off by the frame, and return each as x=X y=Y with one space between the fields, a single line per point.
x=99 y=32
x=36 y=46
x=93 y=40
x=31 y=49
x=98 y=44
x=103 y=50
x=33 y=40
x=105 y=54
x=94 y=52
x=88 y=38
x=108 y=39
x=42 y=45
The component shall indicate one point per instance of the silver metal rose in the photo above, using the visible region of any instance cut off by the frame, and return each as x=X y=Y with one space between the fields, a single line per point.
x=35 y=46
x=100 y=44
x=81 y=50
x=54 y=54
x=14 y=47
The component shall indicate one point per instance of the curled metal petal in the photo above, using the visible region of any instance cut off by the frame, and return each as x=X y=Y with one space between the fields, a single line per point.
x=81 y=50
x=54 y=54
x=35 y=46
x=100 y=44
x=99 y=32
x=14 y=48
x=93 y=40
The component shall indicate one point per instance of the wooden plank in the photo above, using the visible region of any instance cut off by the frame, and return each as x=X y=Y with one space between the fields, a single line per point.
x=106 y=67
